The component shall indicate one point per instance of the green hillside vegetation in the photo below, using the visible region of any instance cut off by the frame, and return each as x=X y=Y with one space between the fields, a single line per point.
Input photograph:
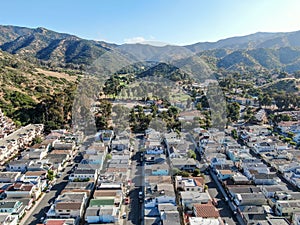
x=32 y=95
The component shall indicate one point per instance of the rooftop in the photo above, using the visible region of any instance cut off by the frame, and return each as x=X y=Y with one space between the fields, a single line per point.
x=206 y=211
x=99 y=202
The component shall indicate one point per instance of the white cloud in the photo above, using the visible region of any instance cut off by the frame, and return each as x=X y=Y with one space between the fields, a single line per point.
x=142 y=40
x=135 y=40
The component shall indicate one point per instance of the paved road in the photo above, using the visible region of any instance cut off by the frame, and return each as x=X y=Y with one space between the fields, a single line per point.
x=231 y=207
x=42 y=208
x=223 y=208
x=137 y=182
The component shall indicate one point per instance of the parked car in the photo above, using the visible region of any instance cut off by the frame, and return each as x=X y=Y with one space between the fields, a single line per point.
x=124 y=215
x=140 y=194
x=127 y=201
x=42 y=219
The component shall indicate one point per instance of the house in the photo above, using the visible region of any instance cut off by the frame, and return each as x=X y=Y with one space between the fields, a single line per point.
x=173 y=152
x=157 y=170
x=162 y=193
x=36 y=177
x=184 y=164
x=22 y=190
x=287 y=207
x=9 y=177
x=296 y=218
x=224 y=174
x=75 y=187
x=253 y=214
x=115 y=195
x=155 y=151
x=61 y=221
x=204 y=221
x=8 y=219
x=33 y=176
x=18 y=165
x=265 y=179
x=68 y=205
x=261 y=116
x=239 y=178
x=264 y=147
x=170 y=217
x=12 y=206
x=27 y=202
x=97 y=158
x=205 y=211
x=270 y=190
x=289 y=126
x=189 y=183
x=57 y=161
x=233 y=190
x=188 y=198
x=105 y=201
x=120 y=144
x=40 y=165
x=250 y=169
x=250 y=199
x=103 y=214
x=152 y=181
x=84 y=174
x=96 y=148
x=64 y=145
x=289 y=167
x=238 y=154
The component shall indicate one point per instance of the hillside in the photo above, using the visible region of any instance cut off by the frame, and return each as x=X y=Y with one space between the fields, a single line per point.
x=252 y=41
x=255 y=51
x=30 y=94
x=47 y=45
x=285 y=58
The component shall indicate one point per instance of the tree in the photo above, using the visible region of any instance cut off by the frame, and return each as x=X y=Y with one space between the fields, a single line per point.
x=191 y=154
x=234 y=134
x=184 y=174
x=50 y=175
x=265 y=100
x=233 y=111
x=108 y=157
x=196 y=172
x=37 y=140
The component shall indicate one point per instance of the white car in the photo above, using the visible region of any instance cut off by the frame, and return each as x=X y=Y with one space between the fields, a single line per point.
x=124 y=215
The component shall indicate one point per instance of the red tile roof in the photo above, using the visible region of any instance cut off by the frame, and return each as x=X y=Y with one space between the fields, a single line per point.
x=35 y=173
x=206 y=211
x=68 y=205
x=199 y=181
x=55 y=222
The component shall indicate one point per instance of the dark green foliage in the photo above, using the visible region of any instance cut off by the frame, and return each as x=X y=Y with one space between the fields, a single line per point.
x=166 y=71
x=234 y=134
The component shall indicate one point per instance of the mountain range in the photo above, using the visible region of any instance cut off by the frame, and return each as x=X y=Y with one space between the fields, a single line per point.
x=260 y=50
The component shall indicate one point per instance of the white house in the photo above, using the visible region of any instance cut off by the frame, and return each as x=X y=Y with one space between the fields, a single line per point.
x=68 y=205
x=84 y=174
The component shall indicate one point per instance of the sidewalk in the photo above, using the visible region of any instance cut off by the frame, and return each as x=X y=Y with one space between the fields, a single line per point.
x=28 y=213
x=231 y=205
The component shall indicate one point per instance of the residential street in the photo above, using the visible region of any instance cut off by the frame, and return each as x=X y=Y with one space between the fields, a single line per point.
x=136 y=183
x=34 y=216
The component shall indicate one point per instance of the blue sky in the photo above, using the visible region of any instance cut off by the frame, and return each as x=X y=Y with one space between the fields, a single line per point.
x=170 y=21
